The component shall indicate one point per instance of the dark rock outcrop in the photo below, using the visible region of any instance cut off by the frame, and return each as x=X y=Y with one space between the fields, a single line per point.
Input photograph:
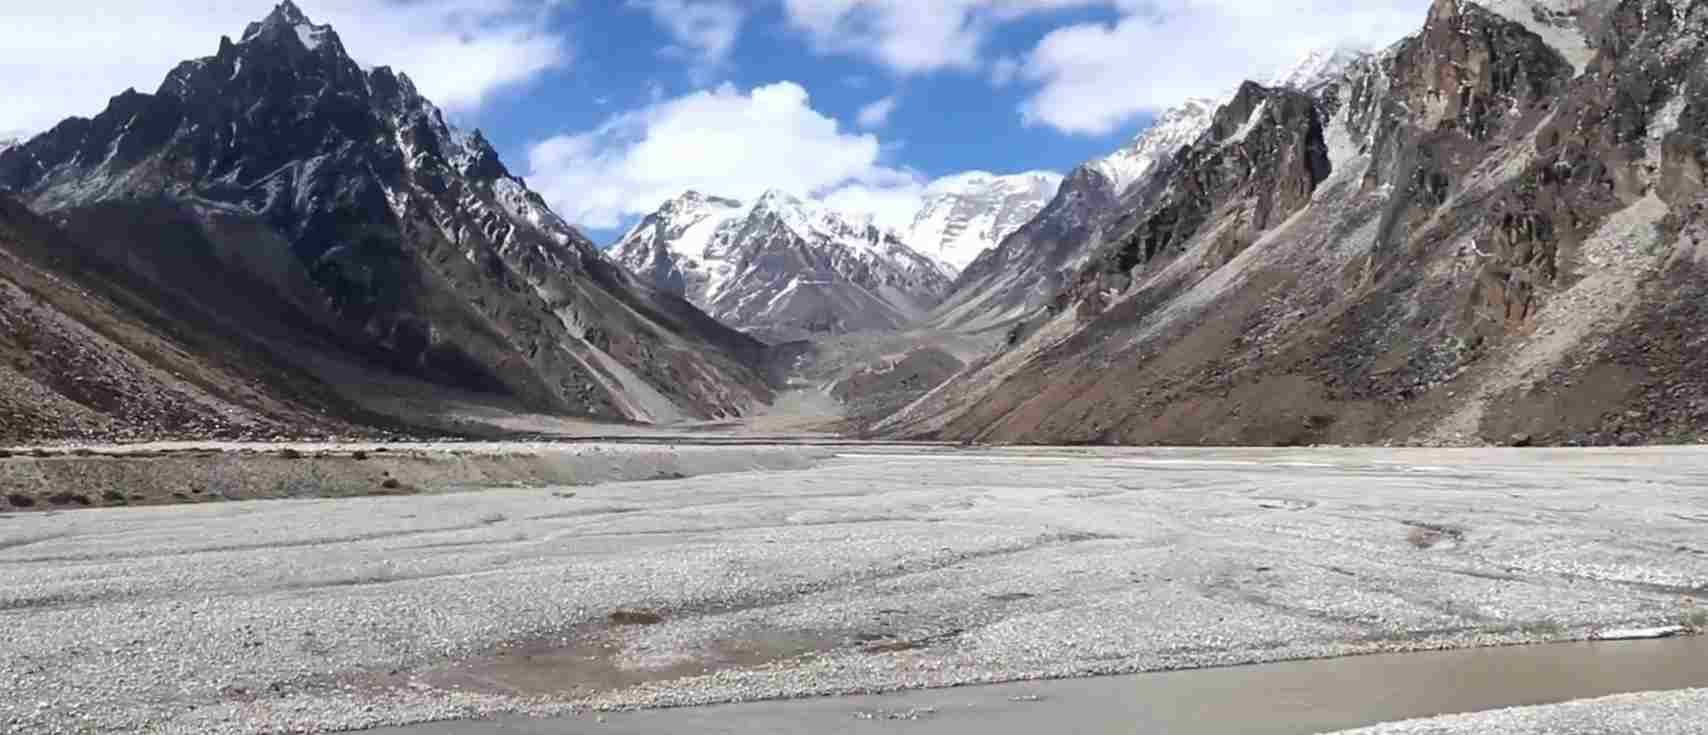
x=346 y=207
x=1506 y=241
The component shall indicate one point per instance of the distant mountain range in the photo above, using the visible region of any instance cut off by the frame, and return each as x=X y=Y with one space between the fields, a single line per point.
x=782 y=268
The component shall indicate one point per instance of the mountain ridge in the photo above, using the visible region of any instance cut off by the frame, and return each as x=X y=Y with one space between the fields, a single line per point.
x=1467 y=238
x=781 y=267
x=401 y=239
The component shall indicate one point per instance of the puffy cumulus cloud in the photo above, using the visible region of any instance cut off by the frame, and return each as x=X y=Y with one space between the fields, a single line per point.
x=68 y=57
x=707 y=29
x=1091 y=78
x=722 y=141
x=912 y=36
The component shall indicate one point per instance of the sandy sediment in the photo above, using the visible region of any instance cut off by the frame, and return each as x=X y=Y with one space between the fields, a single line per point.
x=63 y=479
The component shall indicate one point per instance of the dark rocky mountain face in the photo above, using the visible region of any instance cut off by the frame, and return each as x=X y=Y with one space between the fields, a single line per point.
x=86 y=353
x=1470 y=237
x=355 y=214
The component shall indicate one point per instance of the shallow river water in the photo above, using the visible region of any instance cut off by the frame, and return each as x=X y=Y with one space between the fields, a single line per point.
x=1293 y=698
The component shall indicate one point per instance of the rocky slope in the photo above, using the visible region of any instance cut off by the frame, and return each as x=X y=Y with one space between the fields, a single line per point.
x=305 y=200
x=85 y=353
x=962 y=216
x=1021 y=275
x=781 y=268
x=1492 y=231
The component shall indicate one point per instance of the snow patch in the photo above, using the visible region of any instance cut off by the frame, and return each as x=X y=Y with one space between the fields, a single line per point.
x=964 y=215
x=1555 y=21
x=311 y=36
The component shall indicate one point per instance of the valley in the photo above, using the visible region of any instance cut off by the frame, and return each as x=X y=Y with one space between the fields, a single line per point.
x=1364 y=395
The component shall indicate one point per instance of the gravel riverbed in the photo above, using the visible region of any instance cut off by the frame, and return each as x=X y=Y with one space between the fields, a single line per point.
x=877 y=570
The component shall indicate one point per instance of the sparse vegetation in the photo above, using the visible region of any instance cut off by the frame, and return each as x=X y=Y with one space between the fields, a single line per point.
x=1696 y=620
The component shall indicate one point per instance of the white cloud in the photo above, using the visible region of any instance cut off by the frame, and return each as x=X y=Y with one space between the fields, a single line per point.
x=876 y=114
x=68 y=57
x=722 y=141
x=1093 y=77
x=1004 y=70
x=892 y=203
x=707 y=28
x=911 y=36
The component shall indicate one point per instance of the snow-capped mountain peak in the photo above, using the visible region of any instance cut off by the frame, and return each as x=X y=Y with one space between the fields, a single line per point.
x=366 y=216
x=783 y=266
x=1175 y=128
x=1180 y=125
x=964 y=215
x=1318 y=67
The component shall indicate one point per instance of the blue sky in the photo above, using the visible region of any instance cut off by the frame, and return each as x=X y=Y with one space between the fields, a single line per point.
x=942 y=123
x=611 y=106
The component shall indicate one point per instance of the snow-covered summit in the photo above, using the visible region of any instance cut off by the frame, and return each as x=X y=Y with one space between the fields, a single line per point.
x=781 y=266
x=1317 y=67
x=964 y=215
x=1174 y=129
x=1180 y=125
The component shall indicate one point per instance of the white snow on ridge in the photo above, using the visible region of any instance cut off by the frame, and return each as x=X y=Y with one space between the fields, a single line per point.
x=1174 y=129
x=1317 y=68
x=310 y=36
x=1555 y=21
x=743 y=262
x=1182 y=125
x=964 y=215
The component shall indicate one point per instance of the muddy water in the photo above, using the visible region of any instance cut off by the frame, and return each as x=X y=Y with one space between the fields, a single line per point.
x=1272 y=699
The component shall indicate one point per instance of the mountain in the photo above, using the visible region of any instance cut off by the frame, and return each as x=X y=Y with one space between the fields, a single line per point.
x=1175 y=128
x=782 y=268
x=1317 y=68
x=329 y=215
x=964 y=215
x=1490 y=232
x=1031 y=265
x=85 y=354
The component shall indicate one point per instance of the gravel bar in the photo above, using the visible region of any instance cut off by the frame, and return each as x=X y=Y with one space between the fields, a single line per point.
x=875 y=571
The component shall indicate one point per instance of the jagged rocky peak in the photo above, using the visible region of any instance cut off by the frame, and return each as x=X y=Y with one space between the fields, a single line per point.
x=404 y=236
x=288 y=23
